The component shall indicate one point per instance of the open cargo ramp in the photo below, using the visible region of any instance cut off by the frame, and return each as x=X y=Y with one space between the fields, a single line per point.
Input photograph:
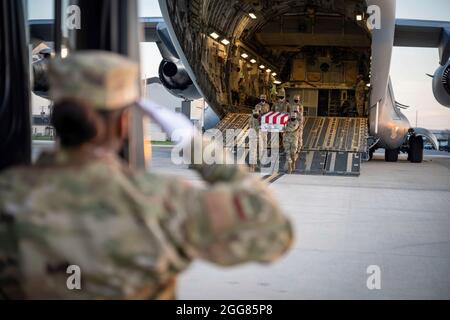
x=333 y=146
x=235 y=130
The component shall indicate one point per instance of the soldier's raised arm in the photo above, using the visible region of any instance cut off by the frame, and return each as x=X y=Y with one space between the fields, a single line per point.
x=235 y=219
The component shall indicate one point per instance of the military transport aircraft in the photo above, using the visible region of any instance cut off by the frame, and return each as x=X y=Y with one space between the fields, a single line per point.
x=316 y=48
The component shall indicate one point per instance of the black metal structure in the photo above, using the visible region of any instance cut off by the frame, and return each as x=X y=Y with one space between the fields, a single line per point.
x=113 y=25
x=15 y=129
x=110 y=25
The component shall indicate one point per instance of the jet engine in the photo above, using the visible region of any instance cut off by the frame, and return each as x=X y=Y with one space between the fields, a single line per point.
x=41 y=60
x=441 y=85
x=174 y=77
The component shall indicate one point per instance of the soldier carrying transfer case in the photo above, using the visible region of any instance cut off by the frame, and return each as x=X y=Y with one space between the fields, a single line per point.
x=259 y=139
x=263 y=107
x=281 y=105
x=290 y=142
x=129 y=233
x=297 y=107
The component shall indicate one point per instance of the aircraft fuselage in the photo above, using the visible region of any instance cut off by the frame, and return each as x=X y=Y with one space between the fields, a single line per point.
x=312 y=48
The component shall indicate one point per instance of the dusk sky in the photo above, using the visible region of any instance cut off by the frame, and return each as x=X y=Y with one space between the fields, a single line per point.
x=408 y=69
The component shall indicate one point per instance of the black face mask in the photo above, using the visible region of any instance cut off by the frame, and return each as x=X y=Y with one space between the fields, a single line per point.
x=296 y=101
x=255 y=115
x=263 y=101
x=293 y=119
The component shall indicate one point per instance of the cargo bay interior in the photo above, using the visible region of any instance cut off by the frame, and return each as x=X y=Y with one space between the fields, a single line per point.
x=239 y=50
x=315 y=48
x=317 y=55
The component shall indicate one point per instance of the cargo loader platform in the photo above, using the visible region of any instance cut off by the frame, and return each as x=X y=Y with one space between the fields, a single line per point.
x=333 y=146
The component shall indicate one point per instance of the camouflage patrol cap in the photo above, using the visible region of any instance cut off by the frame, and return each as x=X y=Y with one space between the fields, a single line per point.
x=281 y=93
x=103 y=80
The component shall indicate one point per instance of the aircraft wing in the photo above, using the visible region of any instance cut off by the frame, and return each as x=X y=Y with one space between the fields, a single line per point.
x=154 y=29
x=42 y=29
x=424 y=33
x=151 y=28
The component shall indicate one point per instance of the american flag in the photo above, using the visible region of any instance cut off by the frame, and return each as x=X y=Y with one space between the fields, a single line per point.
x=278 y=118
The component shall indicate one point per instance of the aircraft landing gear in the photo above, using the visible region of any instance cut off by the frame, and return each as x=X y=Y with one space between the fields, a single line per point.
x=371 y=152
x=372 y=143
x=415 y=151
x=391 y=155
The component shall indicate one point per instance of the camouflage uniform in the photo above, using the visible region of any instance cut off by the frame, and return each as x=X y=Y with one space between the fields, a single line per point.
x=273 y=93
x=255 y=125
x=281 y=106
x=131 y=233
x=290 y=142
x=241 y=89
x=255 y=120
x=263 y=107
x=299 y=109
x=360 y=95
x=301 y=121
x=260 y=139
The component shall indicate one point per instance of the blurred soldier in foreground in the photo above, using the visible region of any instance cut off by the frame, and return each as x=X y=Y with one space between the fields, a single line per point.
x=130 y=233
x=298 y=108
x=290 y=142
x=360 y=95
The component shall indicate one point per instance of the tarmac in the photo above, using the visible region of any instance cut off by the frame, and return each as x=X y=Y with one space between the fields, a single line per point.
x=395 y=216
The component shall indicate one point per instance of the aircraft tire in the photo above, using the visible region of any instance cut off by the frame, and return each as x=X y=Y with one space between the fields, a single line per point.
x=371 y=152
x=415 y=152
x=391 y=155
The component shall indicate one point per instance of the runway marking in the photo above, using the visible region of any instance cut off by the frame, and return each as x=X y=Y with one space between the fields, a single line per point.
x=272 y=178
